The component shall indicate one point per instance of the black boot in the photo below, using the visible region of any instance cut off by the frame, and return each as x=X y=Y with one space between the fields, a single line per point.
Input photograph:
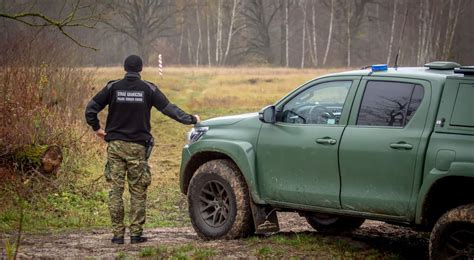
x=137 y=239
x=117 y=240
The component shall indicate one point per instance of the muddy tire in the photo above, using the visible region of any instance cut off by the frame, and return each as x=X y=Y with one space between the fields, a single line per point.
x=453 y=235
x=333 y=224
x=219 y=202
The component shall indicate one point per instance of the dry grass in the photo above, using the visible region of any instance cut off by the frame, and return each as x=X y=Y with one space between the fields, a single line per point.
x=201 y=89
x=209 y=92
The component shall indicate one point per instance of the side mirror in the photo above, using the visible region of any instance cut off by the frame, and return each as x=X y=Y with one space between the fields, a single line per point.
x=267 y=114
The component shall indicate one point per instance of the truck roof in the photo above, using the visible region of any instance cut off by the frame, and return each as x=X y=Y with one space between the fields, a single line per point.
x=405 y=72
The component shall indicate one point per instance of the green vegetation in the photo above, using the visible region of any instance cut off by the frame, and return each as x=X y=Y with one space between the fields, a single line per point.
x=124 y=256
x=203 y=253
x=306 y=245
x=264 y=251
x=186 y=251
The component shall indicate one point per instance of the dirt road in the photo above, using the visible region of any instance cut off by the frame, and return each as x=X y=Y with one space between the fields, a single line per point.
x=383 y=239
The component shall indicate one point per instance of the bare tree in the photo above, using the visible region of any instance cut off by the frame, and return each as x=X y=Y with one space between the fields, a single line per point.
x=303 y=6
x=275 y=32
x=395 y=2
x=208 y=41
x=219 y=32
x=80 y=16
x=143 y=21
x=426 y=30
x=284 y=32
x=328 y=44
x=349 y=36
x=235 y=10
x=259 y=17
x=287 y=35
x=453 y=18
x=198 y=47
x=355 y=12
x=314 y=43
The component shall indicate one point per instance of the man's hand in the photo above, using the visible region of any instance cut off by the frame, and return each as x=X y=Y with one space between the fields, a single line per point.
x=198 y=119
x=101 y=133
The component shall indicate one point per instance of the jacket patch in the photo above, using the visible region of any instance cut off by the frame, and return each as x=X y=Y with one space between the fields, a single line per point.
x=127 y=96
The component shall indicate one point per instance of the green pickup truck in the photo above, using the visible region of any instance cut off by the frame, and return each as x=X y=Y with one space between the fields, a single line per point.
x=389 y=144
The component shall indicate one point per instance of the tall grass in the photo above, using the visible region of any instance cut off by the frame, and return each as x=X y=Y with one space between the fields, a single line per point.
x=42 y=102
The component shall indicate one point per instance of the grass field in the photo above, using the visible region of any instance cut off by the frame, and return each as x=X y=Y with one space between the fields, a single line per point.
x=209 y=92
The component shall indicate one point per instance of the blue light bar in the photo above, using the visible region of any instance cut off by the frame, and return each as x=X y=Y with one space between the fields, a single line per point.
x=379 y=67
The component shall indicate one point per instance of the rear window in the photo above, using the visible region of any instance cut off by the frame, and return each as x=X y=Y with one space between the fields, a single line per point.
x=463 y=112
x=389 y=103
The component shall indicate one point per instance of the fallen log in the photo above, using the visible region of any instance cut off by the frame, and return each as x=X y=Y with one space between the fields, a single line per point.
x=43 y=158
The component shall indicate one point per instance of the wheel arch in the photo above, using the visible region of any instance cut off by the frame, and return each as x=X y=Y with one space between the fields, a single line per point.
x=242 y=154
x=444 y=194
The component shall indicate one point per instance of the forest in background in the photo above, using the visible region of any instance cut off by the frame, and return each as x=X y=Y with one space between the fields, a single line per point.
x=287 y=33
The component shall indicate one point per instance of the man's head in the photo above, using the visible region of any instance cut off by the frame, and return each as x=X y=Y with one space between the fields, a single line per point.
x=133 y=63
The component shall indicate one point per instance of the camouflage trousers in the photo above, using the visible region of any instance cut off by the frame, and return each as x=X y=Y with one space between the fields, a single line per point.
x=127 y=161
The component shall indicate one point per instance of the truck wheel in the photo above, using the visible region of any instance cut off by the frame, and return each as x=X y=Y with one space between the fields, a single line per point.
x=219 y=202
x=453 y=235
x=333 y=224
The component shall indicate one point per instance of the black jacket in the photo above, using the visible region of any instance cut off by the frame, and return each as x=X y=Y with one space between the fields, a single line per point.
x=130 y=101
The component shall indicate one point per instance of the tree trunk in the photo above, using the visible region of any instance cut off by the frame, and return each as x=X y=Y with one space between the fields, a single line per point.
x=180 y=45
x=208 y=41
x=190 y=50
x=377 y=15
x=392 y=31
x=328 y=45
x=315 y=44
x=303 y=6
x=349 y=14
x=286 y=34
x=282 y=33
x=219 y=31
x=144 y=50
x=420 y=31
x=451 y=28
x=231 y=28
x=198 y=47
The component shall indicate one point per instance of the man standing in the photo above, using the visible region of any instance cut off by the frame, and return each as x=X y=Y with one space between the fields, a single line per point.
x=129 y=140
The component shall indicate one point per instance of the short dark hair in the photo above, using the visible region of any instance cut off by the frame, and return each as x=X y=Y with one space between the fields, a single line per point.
x=133 y=63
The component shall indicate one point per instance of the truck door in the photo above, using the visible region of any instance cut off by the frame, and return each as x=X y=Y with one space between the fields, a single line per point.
x=297 y=159
x=379 y=152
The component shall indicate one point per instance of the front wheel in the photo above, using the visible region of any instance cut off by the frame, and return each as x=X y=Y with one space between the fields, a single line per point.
x=453 y=235
x=333 y=224
x=219 y=202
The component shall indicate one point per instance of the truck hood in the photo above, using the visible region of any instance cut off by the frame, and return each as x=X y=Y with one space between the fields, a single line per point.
x=227 y=120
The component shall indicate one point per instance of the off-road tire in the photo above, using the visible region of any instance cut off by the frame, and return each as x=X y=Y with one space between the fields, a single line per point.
x=453 y=235
x=223 y=173
x=334 y=224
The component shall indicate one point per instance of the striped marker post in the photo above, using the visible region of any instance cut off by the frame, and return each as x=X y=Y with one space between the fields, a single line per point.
x=160 y=65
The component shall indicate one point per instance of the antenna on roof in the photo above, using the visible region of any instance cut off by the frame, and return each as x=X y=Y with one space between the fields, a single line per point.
x=400 y=39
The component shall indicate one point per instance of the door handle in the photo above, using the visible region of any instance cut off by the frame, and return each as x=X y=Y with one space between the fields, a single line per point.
x=326 y=140
x=401 y=145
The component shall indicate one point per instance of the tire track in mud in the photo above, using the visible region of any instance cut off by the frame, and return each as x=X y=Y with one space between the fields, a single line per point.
x=405 y=242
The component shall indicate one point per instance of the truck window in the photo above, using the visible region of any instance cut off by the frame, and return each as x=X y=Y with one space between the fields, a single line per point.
x=389 y=103
x=463 y=112
x=318 y=104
